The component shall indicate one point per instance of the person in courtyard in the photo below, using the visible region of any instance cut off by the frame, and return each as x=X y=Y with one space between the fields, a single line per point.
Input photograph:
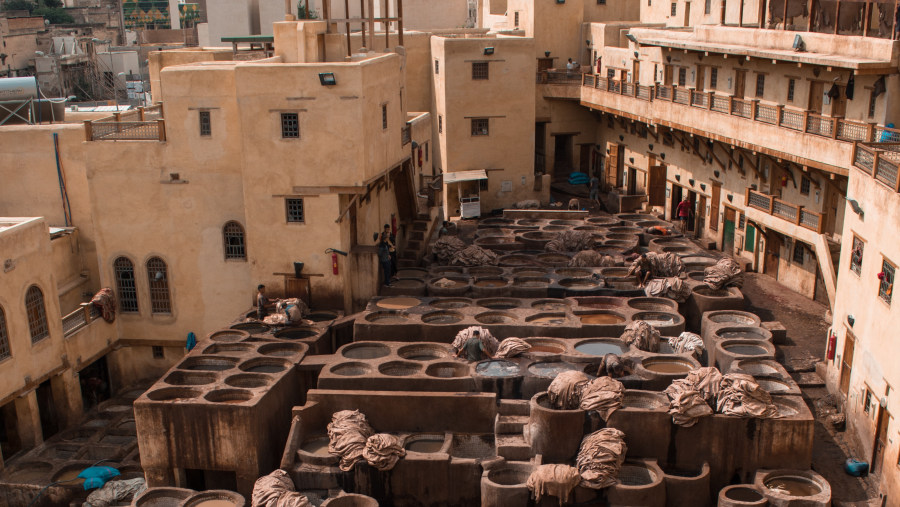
x=683 y=211
x=263 y=303
x=595 y=188
x=641 y=270
x=474 y=348
x=384 y=257
x=393 y=249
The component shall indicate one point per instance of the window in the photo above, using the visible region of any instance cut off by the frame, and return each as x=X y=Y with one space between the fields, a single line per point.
x=742 y=221
x=158 y=352
x=804 y=186
x=799 y=247
x=384 y=117
x=37 y=314
x=886 y=287
x=290 y=126
x=674 y=8
x=124 y=269
x=682 y=76
x=205 y=124
x=4 y=337
x=760 y=85
x=437 y=67
x=708 y=7
x=601 y=2
x=872 y=98
x=790 y=95
x=440 y=124
x=158 y=276
x=480 y=126
x=479 y=70
x=294 y=210
x=867 y=401
x=233 y=235
x=713 y=77
x=483 y=185
x=856 y=255
x=610 y=73
x=516 y=19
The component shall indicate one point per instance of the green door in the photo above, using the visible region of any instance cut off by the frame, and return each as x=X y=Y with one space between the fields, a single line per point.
x=750 y=241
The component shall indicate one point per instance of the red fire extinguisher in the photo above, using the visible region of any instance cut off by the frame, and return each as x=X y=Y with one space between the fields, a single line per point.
x=832 y=344
x=394 y=224
x=334 y=266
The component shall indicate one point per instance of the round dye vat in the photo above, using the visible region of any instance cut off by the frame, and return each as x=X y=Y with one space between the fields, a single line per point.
x=321 y=316
x=793 y=485
x=229 y=396
x=251 y=327
x=656 y=318
x=492 y=282
x=411 y=273
x=497 y=368
x=450 y=283
x=485 y=271
x=746 y=350
x=549 y=369
x=495 y=318
x=574 y=272
x=554 y=259
x=758 y=368
x=281 y=349
x=531 y=282
x=599 y=348
x=578 y=283
x=551 y=305
x=517 y=260
x=316 y=446
x=423 y=352
x=635 y=475
x=387 y=317
x=425 y=444
x=555 y=319
x=773 y=386
x=399 y=368
x=447 y=370
x=713 y=293
x=31 y=473
x=365 y=351
x=296 y=333
x=397 y=303
x=450 y=304
x=352 y=369
x=542 y=346
x=666 y=367
x=442 y=318
x=601 y=319
x=499 y=303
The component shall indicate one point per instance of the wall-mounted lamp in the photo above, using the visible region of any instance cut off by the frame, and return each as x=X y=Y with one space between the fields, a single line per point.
x=716 y=174
x=637 y=55
x=327 y=79
x=631 y=37
x=851 y=320
x=677 y=177
x=799 y=45
x=631 y=159
x=650 y=146
x=730 y=197
x=621 y=138
x=607 y=151
x=587 y=43
x=703 y=186
x=489 y=50
x=691 y=182
x=546 y=54
x=662 y=156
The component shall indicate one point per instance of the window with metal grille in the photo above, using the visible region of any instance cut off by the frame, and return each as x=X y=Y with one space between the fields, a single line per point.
x=799 y=247
x=713 y=77
x=294 y=210
x=479 y=70
x=437 y=67
x=601 y=2
x=290 y=125
x=708 y=7
x=856 y=255
x=37 y=314
x=516 y=19
x=674 y=8
x=4 y=337
x=790 y=95
x=742 y=221
x=872 y=97
x=682 y=76
x=158 y=352
x=205 y=124
x=440 y=124
x=886 y=287
x=158 y=276
x=480 y=126
x=867 y=401
x=483 y=185
x=233 y=235
x=384 y=117
x=610 y=73
x=804 y=186
x=128 y=301
x=760 y=85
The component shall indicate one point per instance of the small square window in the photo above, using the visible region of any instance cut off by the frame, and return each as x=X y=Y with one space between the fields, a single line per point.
x=437 y=66
x=713 y=77
x=294 y=210
x=790 y=95
x=384 y=117
x=799 y=247
x=483 y=185
x=480 y=127
x=674 y=8
x=886 y=287
x=760 y=85
x=742 y=221
x=804 y=186
x=158 y=352
x=708 y=7
x=872 y=98
x=290 y=126
x=205 y=124
x=867 y=401
x=480 y=70
x=856 y=255
x=682 y=76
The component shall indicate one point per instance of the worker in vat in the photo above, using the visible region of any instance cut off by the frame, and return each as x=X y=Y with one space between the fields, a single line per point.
x=263 y=303
x=641 y=269
x=474 y=348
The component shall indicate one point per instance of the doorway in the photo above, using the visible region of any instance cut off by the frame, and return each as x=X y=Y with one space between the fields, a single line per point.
x=632 y=182
x=10 y=443
x=668 y=75
x=95 y=385
x=701 y=215
x=615 y=165
x=839 y=104
x=847 y=362
x=636 y=72
x=584 y=158
x=728 y=231
x=740 y=79
x=47 y=410
x=715 y=198
x=881 y=440
x=656 y=186
x=816 y=92
x=677 y=192
x=831 y=210
x=540 y=147
x=687 y=14
x=700 y=82
x=562 y=154
x=692 y=224
x=774 y=242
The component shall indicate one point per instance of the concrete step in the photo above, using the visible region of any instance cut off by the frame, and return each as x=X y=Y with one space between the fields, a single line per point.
x=417 y=236
x=414 y=245
x=513 y=447
x=407 y=263
x=420 y=225
x=509 y=424
x=808 y=379
x=514 y=407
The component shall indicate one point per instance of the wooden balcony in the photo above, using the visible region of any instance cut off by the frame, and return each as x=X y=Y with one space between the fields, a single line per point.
x=880 y=161
x=141 y=124
x=792 y=213
x=559 y=84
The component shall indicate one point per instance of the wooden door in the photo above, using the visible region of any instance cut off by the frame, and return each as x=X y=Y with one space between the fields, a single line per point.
x=716 y=195
x=692 y=224
x=632 y=181
x=614 y=165
x=700 y=82
x=668 y=75
x=740 y=79
x=728 y=231
x=847 y=362
x=816 y=92
x=687 y=14
x=677 y=192
x=636 y=72
x=656 y=186
x=773 y=253
x=839 y=104
x=881 y=440
x=701 y=213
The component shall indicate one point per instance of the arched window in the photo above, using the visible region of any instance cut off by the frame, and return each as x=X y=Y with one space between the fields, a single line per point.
x=158 y=275
x=4 y=337
x=233 y=235
x=128 y=301
x=37 y=314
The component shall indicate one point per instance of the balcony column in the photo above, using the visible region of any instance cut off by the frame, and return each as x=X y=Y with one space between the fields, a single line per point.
x=66 y=389
x=722 y=12
x=28 y=420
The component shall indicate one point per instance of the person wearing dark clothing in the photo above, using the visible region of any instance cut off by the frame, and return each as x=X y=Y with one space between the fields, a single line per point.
x=474 y=348
x=263 y=304
x=393 y=249
x=384 y=258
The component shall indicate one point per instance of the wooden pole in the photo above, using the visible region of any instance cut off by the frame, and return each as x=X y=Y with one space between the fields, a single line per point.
x=894 y=21
x=400 y=20
x=326 y=13
x=763 y=8
x=784 y=16
x=722 y=12
x=741 y=14
x=812 y=13
x=371 y=14
x=347 y=25
x=362 y=14
x=386 y=14
x=866 y=21
x=837 y=16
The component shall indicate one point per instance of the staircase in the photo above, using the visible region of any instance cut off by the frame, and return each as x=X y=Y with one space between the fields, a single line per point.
x=509 y=430
x=828 y=254
x=416 y=242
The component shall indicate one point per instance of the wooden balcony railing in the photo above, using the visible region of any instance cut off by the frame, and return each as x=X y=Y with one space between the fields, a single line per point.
x=80 y=318
x=880 y=161
x=772 y=114
x=559 y=77
x=786 y=211
x=405 y=135
x=141 y=124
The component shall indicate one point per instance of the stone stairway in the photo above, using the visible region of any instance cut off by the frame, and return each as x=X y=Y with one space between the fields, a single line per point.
x=416 y=243
x=509 y=430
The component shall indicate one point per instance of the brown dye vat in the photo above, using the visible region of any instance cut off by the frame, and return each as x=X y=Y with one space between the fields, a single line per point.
x=397 y=303
x=408 y=283
x=450 y=304
x=517 y=260
x=296 y=334
x=280 y=350
x=442 y=318
x=423 y=352
x=210 y=363
x=494 y=318
x=635 y=475
x=30 y=473
x=365 y=351
x=550 y=305
x=263 y=366
x=214 y=503
x=668 y=367
x=173 y=394
x=574 y=272
x=554 y=259
x=544 y=349
x=251 y=327
x=425 y=446
x=316 y=447
x=746 y=350
x=70 y=477
x=549 y=320
x=531 y=282
x=491 y=283
x=793 y=486
x=578 y=283
x=499 y=304
x=485 y=271
x=447 y=370
x=386 y=317
x=745 y=494
x=352 y=369
x=247 y=380
x=231 y=396
x=601 y=319
x=449 y=283
x=706 y=291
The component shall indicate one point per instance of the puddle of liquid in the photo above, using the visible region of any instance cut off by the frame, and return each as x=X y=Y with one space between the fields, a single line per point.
x=794 y=486
x=70 y=477
x=490 y=283
x=599 y=348
x=549 y=370
x=425 y=446
x=397 y=303
x=601 y=318
x=209 y=367
x=668 y=367
x=265 y=368
x=317 y=447
x=549 y=321
x=366 y=352
x=747 y=350
x=741 y=334
x=442 y=319
x=497 y=369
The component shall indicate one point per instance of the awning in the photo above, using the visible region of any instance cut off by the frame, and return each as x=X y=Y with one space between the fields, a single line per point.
x=458 y=176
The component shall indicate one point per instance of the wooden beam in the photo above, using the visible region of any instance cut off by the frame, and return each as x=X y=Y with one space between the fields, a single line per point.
x=837 y=16
x=811 y=9
x=784 y=16
x=866 y=20
x=329 y=190
x=347 y=208
x=745 y=155
x=730 y=156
